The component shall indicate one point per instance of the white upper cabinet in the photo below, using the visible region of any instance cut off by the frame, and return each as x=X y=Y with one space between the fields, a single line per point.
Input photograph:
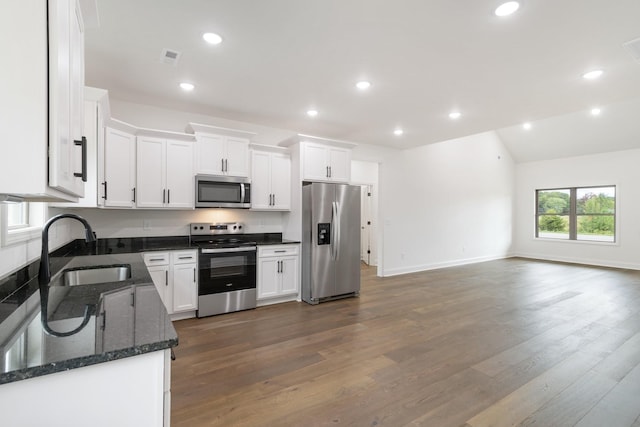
x=164 y=171
x=118 y=183
x=41 y=81
x=221 y=151
x=96 y=104
x=325 y=163
x=67 y=147
x=270 y=180
x=321 y=159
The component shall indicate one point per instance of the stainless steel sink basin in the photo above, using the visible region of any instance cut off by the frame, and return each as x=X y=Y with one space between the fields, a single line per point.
x=96 y=274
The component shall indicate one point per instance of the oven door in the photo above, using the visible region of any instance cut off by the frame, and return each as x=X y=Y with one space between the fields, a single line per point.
x=226 y=270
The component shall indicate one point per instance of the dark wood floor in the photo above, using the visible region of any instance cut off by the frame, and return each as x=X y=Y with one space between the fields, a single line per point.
x=509 y=342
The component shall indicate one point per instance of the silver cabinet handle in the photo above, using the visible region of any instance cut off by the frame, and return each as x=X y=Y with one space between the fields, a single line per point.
x=281 y=251
x=222 y=165
x=194 y=275
x=156 y=259
x=327 y=171
x=163 y=195
x=166 y=277
x=134 y=194
x=185 y=257
x=105 y=190
x=168 y=197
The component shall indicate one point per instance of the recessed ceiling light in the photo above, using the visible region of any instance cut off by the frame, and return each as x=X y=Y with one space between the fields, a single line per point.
x=398 y=132
x=312 y=113
x=212 y=38
x=526 y=126
x=506 y=9
x=592 y=75
x=187 y=86
x=363 y=85
x=455 y=115
x=596 y=111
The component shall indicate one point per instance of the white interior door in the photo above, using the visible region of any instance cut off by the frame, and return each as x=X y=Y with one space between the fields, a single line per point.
x=365 y=224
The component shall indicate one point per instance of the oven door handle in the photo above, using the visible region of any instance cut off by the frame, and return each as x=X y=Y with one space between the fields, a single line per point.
x=224 y=250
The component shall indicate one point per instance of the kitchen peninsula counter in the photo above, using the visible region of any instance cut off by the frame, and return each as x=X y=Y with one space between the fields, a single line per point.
x=124 y=318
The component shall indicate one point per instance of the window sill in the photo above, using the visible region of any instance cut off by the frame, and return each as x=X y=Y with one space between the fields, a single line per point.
x=21 y=235
x=581 y=242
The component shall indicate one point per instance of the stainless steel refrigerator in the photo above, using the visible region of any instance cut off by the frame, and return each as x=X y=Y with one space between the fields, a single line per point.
x=330 y=241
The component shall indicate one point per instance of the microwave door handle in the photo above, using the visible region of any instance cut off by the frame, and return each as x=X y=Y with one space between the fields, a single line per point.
x=242 y=193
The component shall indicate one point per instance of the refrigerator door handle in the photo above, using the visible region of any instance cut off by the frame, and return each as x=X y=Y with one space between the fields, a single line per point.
x=334 y=230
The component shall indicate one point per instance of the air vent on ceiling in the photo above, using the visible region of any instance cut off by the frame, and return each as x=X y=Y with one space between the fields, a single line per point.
x=633 y=47
x=170 y=56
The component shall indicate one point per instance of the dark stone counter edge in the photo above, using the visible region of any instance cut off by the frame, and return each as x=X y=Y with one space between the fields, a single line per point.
x=16 y=285
x=79 y=362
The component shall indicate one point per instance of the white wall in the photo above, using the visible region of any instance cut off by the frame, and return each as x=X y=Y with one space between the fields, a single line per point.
x=446 y=204
x=142 y=223
x=618 y=168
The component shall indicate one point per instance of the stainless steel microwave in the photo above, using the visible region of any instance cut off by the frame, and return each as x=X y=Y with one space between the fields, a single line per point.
x=222 y=192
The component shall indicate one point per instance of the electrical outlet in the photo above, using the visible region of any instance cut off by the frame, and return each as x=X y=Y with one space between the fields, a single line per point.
x=146 y=224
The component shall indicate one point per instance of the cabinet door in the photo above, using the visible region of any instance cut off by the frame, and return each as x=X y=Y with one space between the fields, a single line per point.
x=210 y=152
x=289 y=275
x=237 y=158
x=281 y=181
x=62 y=152
x=150 y=173
x=180 y=177
x=267 y=277
x=340 y=164
x=315 y=164
x=260 y=180
x=119 y=169
x=160 y=276
x=116 y=320
x=185 y=288
x=76 y=100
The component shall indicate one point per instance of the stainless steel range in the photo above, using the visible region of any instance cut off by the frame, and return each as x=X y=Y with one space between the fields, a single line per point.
x=227 y=268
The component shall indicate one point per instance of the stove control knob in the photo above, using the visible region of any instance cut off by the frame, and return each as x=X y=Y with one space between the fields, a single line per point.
x=239 y=227
x=235 y=226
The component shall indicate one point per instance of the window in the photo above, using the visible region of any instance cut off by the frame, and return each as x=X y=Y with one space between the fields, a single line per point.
x=17 y=215
x=21 y=221
x=578 y=213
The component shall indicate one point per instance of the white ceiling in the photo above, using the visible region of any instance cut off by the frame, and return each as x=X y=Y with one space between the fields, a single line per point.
x=424 y=58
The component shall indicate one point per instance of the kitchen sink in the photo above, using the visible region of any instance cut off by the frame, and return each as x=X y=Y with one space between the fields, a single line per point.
x=96 y=274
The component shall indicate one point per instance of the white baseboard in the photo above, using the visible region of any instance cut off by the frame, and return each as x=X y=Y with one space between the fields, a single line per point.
x=583 y=261
x=434 y=266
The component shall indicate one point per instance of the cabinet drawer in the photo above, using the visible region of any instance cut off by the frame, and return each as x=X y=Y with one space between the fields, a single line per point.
x=280 y=250
x=184 y=257
x=156 y=258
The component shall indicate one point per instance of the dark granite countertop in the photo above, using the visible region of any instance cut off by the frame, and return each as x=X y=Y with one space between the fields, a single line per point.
x=28 y=350
x=123 y=319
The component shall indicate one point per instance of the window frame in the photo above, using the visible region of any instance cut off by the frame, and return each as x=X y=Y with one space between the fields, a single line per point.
x=35 y=212
x=574 y=215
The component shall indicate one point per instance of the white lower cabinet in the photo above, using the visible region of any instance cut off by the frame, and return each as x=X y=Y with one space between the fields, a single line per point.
x=278 y=273
x=175 y=275
x=185 y=281
x=139 y=387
